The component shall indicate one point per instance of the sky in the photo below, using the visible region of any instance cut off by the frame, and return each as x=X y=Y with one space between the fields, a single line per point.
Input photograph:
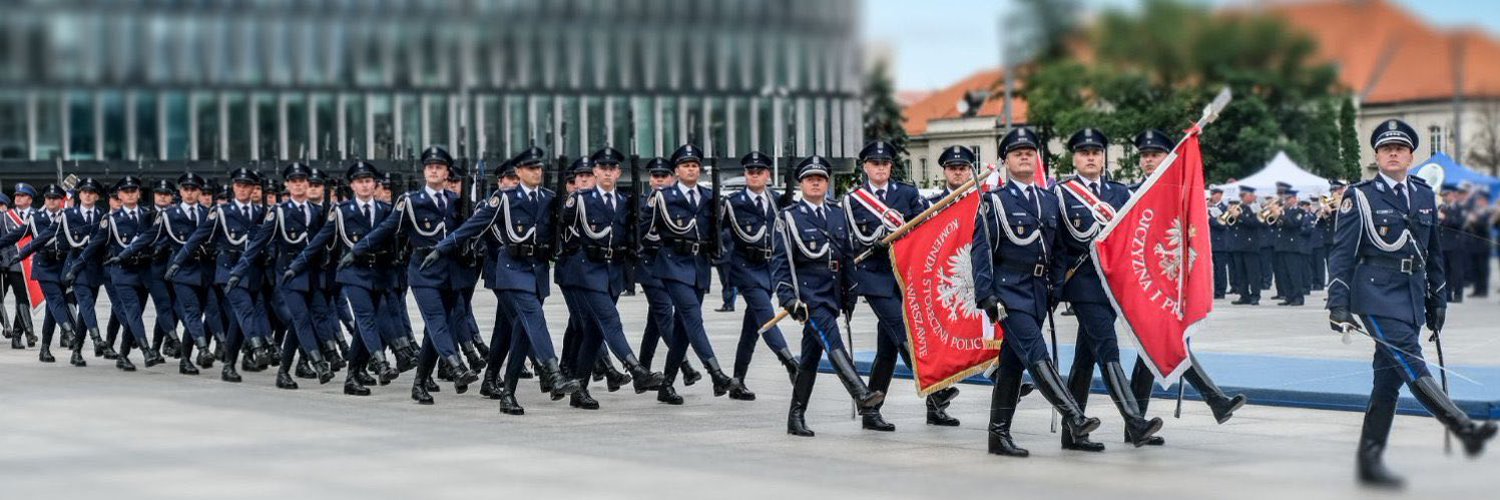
x=934 y=43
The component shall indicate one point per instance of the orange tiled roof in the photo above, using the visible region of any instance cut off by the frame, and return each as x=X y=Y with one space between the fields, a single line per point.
x=944 y=103
x=1388 y=55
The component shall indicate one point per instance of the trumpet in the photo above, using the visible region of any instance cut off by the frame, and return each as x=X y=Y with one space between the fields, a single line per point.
x=1271 y=213
x=1327 y=204
x=1231 y=215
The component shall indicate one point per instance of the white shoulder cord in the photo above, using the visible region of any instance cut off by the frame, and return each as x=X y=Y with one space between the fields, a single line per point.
x=281 y=228
x=228 y=236
x=166 y=221
x=796 y=237
x=1369 y=228
x=666 y=218
x=583 y=216
x=860 y=237
x=511 y=238
x=1010 y=234
x=740 y=231
x=339 y=226
x=791 y=262
x=1081 y=236
x=442 y=227
x=68 y=233
x=114 y=234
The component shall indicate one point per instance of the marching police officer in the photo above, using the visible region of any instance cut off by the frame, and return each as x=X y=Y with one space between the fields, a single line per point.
x=13 y=219
x=885 y=205
x=958 y=168
x=660 y=316
x=682 y=215
x=1218 y=235
x=171 y=226
x=423 y=218
x=598 y=222
x=164 y=335
x=85 y=278
x=50 y=246
x=1017 y=276
x=810 y=267
x=222 y=236
x=1452 y=216
x=750 y=216
x=127 y=274
x=1244 y=245
x=1088 y=202
x=525 y=217
x=1293 y=230
x=1387 y=268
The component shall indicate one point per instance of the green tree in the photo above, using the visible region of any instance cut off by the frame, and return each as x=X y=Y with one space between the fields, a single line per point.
x=1348 y=141
x=883 y=118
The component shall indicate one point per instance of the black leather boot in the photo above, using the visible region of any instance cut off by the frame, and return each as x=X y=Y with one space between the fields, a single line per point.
x=788 y=361
x=462 y=376
x=101 y=348
x=1080 y=378
x=738 y=391
x=559 y=385
x=352 y=385
x=871 y=419
x=1002 y=410
x=641 y=378
x=690 y=375
x=491 y=386
x=444 y=372
x=153 y=358
x=381 y=368
x=525 y=371
x=431 y=384
x=614 y=379
x=321 y=367
x=228 y=374
x=796 y=421
x=1369 y=466
x=406 y=354
x=123 y=363
x=361 y=375
x=720 y=380
x=508 y=403
x=419 y=391
x=668 y=394
x=304 y=369
x=45 y=355
x=185 y=366
x=1138 y=428
x=480 y=346
x=1221 y=404
x=1049 y=383
x=1471 y=434
x=256 y=352
x=581 y=399
x=476 y=360
x=937 y=407
x=30 y=339
x=170 y=345
x=284 y=378
x=843 y=366
x=333 y=356
x=1141 y=380
x=77 y=359
x=16 y=342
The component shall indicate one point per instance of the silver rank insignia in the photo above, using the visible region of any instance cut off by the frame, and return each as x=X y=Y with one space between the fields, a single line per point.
x=519 y=228
x=1384 y=230
x=1077 y=222
x=1020 y=229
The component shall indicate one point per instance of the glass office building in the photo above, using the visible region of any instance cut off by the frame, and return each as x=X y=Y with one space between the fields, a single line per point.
x=178 y=84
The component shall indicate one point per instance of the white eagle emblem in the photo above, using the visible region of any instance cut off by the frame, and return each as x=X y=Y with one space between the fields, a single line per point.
x=1169 y=256
x=956 y=286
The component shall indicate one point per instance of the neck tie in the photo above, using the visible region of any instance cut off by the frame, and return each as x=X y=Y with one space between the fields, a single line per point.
x=693 y=196
x=131 y=215
x=819 y=212
x=609 y=201
x=88 y=216
x=880 y=193
x=760 y=205
x=533 y=197
x=364 y=209
x=1094 y=186
x=1401 y=196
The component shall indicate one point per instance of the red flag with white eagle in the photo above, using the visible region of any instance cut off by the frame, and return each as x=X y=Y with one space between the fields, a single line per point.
x=948 y=335
x=1154 y=257
x=33 y=289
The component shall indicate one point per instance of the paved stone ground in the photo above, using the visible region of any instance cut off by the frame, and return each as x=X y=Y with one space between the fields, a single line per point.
x=76 y=433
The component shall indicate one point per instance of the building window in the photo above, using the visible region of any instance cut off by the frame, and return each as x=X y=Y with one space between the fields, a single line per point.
x=12 y=125
x=80 y=126
x=177 y=119
x=382 y=126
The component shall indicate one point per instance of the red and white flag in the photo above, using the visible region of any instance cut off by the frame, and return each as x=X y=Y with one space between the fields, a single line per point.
x=949 y=337
x=33 y=289
x=1155 y=260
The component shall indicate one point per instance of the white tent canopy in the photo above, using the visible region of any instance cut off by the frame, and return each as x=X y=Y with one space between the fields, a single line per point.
x=1281 y=169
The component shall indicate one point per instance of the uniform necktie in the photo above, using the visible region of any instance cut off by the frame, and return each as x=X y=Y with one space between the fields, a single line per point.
x=819 y=212
x=880 y=193
x=88 y=216
x=609 y=201
x=693 y=197
x=245 y=209
x=533 y=197
x=760 y=205
x=442 y=202
x=1094 y=186
x=131 y=215
x=1401 y=195
x=193 y=213
x=364 y=209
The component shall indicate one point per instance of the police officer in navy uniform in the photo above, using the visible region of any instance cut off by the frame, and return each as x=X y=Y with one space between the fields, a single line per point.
x=283 y=235
x=525 y=217
x=127 y=273
x=875 y=280
x=1387 y=270
x=581 y=177
x=598 y=222
x=1452 y=215
x=14 y=279
x=1294 y=231
x=1218 y=235
x=422 y=219
x=84 y=279
x=958 y=168
x=682 y=216
x=660 y=314
x=223 y=234
x=750 y=220
x=811 y=270
x=1244 y=244
x=164 y=335
x=50 y=249
x=1084 y=289
x=1017 y=279
x=363 y=280
x=171 y=226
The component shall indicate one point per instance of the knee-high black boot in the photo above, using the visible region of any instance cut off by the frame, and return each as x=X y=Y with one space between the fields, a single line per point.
x=1007 y=393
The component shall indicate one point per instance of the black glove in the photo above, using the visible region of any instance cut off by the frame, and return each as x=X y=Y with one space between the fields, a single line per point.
x=1339 y=316
x=233 y=281
x=171 y=272
x=1436 y=315
x=112 y=261
x=346 y=260
x=798 y=311
x=431 y=260
x=991 y=308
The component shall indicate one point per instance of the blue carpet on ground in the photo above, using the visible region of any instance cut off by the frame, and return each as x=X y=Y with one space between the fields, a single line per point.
x=1327 y=384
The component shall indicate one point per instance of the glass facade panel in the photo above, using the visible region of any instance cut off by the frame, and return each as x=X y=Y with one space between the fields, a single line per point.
x=13 y=125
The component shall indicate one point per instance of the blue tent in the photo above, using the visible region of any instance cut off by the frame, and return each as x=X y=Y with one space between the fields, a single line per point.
x=1454 y=173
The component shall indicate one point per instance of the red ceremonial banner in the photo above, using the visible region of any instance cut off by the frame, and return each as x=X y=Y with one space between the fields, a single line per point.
x=949 y=337
x=33 y=289
x=1155 y=259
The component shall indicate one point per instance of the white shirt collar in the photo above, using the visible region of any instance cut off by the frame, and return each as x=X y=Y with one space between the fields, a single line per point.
x=1391 y=183
x=602 y=192
x=241 y=206
x=814 y=206
x=432 y=193
x=187 y=206
x=1088 y=181
x=684 y=189
x=886 y=187
x=527 y=190
x=1020 y=185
